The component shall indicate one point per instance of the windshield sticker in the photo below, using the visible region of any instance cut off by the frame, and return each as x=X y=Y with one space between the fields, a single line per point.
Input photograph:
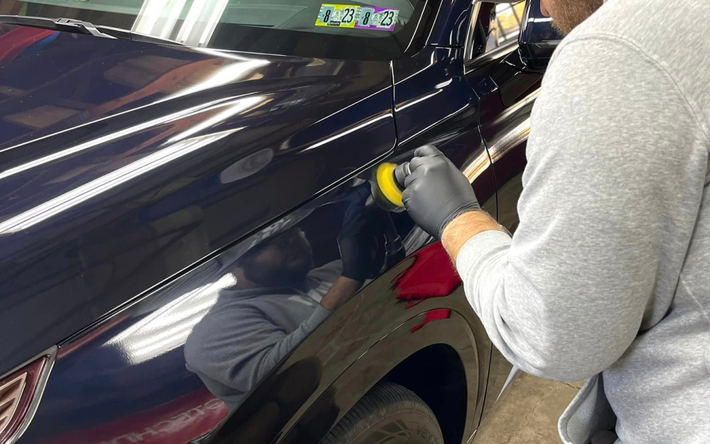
x=338 y=16
x=377 y=19
x=358 y=17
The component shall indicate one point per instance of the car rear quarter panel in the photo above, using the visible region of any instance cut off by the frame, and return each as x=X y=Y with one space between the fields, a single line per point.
x=172 y=155
x=125 y=379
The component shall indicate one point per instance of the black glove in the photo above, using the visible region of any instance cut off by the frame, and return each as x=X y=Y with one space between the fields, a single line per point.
x=358 y=239
x=436 y=192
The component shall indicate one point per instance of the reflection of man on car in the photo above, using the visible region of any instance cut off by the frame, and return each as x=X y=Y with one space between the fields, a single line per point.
x=277 y=300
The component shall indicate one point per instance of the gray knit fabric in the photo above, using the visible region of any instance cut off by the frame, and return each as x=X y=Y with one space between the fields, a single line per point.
x=608 y=275
x=248 y=332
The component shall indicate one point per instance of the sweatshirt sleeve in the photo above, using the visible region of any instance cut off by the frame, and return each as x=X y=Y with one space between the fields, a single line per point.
x=239 y=348
x=281 y=344
x=613 y=148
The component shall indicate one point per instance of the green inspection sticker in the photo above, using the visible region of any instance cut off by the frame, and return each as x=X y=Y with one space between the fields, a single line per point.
x=357 y=17
x=338 y=16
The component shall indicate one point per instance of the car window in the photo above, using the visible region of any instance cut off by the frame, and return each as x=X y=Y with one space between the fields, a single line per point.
x=494 y=25
x=351 y=29
x=507 y=24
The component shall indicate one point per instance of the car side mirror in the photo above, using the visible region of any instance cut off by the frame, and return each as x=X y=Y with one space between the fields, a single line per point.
x=538 y=39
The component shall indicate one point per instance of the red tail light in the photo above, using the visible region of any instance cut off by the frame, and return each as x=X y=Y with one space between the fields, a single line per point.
x=20 y=393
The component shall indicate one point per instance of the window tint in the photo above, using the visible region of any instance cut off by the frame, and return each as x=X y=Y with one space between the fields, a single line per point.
x=493 y=25
x=506 y=26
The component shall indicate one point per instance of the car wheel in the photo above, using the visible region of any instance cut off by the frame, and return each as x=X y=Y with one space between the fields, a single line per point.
x=389 y=413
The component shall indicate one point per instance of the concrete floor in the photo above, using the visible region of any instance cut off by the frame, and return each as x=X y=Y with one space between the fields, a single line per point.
x=527 y=413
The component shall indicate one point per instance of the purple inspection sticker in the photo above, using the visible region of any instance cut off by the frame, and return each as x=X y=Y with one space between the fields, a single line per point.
x=377 y=19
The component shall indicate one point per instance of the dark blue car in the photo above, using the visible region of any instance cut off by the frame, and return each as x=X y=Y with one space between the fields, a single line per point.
x=190 y=249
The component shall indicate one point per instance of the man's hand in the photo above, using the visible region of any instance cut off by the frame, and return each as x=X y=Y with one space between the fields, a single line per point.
x=359 y=244
x=358 y=239
x=436 y=192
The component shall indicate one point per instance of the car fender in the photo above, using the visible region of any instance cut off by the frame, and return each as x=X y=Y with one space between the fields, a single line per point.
x=411 y=337
x=354 y=349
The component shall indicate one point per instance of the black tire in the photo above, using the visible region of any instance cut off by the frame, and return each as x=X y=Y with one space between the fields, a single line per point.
x=391 y=414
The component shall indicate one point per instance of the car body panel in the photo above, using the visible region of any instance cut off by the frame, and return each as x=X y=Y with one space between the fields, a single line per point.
x=289 y=143
x=431 y=80
x=453 y=331
x=113 y=340
x=507 y=92
x=212 y=130
x=143 y=391
x=451 y=24
x=434 y=103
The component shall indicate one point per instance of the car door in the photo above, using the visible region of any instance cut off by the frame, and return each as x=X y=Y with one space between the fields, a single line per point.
x=128 y=376
x=507 y=92
x=435 y=104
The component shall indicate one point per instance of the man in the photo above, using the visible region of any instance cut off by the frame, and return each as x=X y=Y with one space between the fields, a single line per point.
x=277 y=299
x=608 y=276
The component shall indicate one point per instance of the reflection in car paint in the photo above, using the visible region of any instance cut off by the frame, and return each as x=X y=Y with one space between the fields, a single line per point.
x=19 y=40
x=345 y=132
x=168 y=327
x=509 y=141
x=272 y=301
x=105 y=183
x=247 y=166
x=114 y=246
x=223 y=75
x=477 y=167
x=215 y=246
x=188 y=419
x=432 y=316
x=511 y=111
x=237 y=106
x=417 y=100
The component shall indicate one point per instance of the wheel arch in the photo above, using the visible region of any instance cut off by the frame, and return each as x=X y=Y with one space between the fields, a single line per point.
x=448 y=348
x=437 y=374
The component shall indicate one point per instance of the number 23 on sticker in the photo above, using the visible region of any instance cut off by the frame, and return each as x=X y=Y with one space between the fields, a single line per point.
x=340 y=16
x=359 y=17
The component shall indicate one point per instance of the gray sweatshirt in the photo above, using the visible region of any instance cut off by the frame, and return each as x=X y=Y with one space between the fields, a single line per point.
x=608 y=276
x=248 y=332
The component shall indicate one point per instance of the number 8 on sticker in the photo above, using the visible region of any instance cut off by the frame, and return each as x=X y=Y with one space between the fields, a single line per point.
x=359 y=17
x=366 y=17
x=377 y=19
x=325 y=15
x=338 y=16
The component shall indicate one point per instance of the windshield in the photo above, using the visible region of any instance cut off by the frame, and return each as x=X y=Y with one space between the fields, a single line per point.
x=364 y=30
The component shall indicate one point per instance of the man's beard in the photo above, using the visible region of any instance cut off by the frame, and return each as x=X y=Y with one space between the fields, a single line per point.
x=290 y=274
x=567 y=14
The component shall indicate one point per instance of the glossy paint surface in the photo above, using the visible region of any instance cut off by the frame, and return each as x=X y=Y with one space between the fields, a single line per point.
x=435 y=103
x=451 y=24
x=160 y=157
x=183 y=288
x=143 y=344
x=507 y=91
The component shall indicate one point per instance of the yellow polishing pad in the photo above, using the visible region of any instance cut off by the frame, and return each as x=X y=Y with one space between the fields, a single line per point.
x=387 y=184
